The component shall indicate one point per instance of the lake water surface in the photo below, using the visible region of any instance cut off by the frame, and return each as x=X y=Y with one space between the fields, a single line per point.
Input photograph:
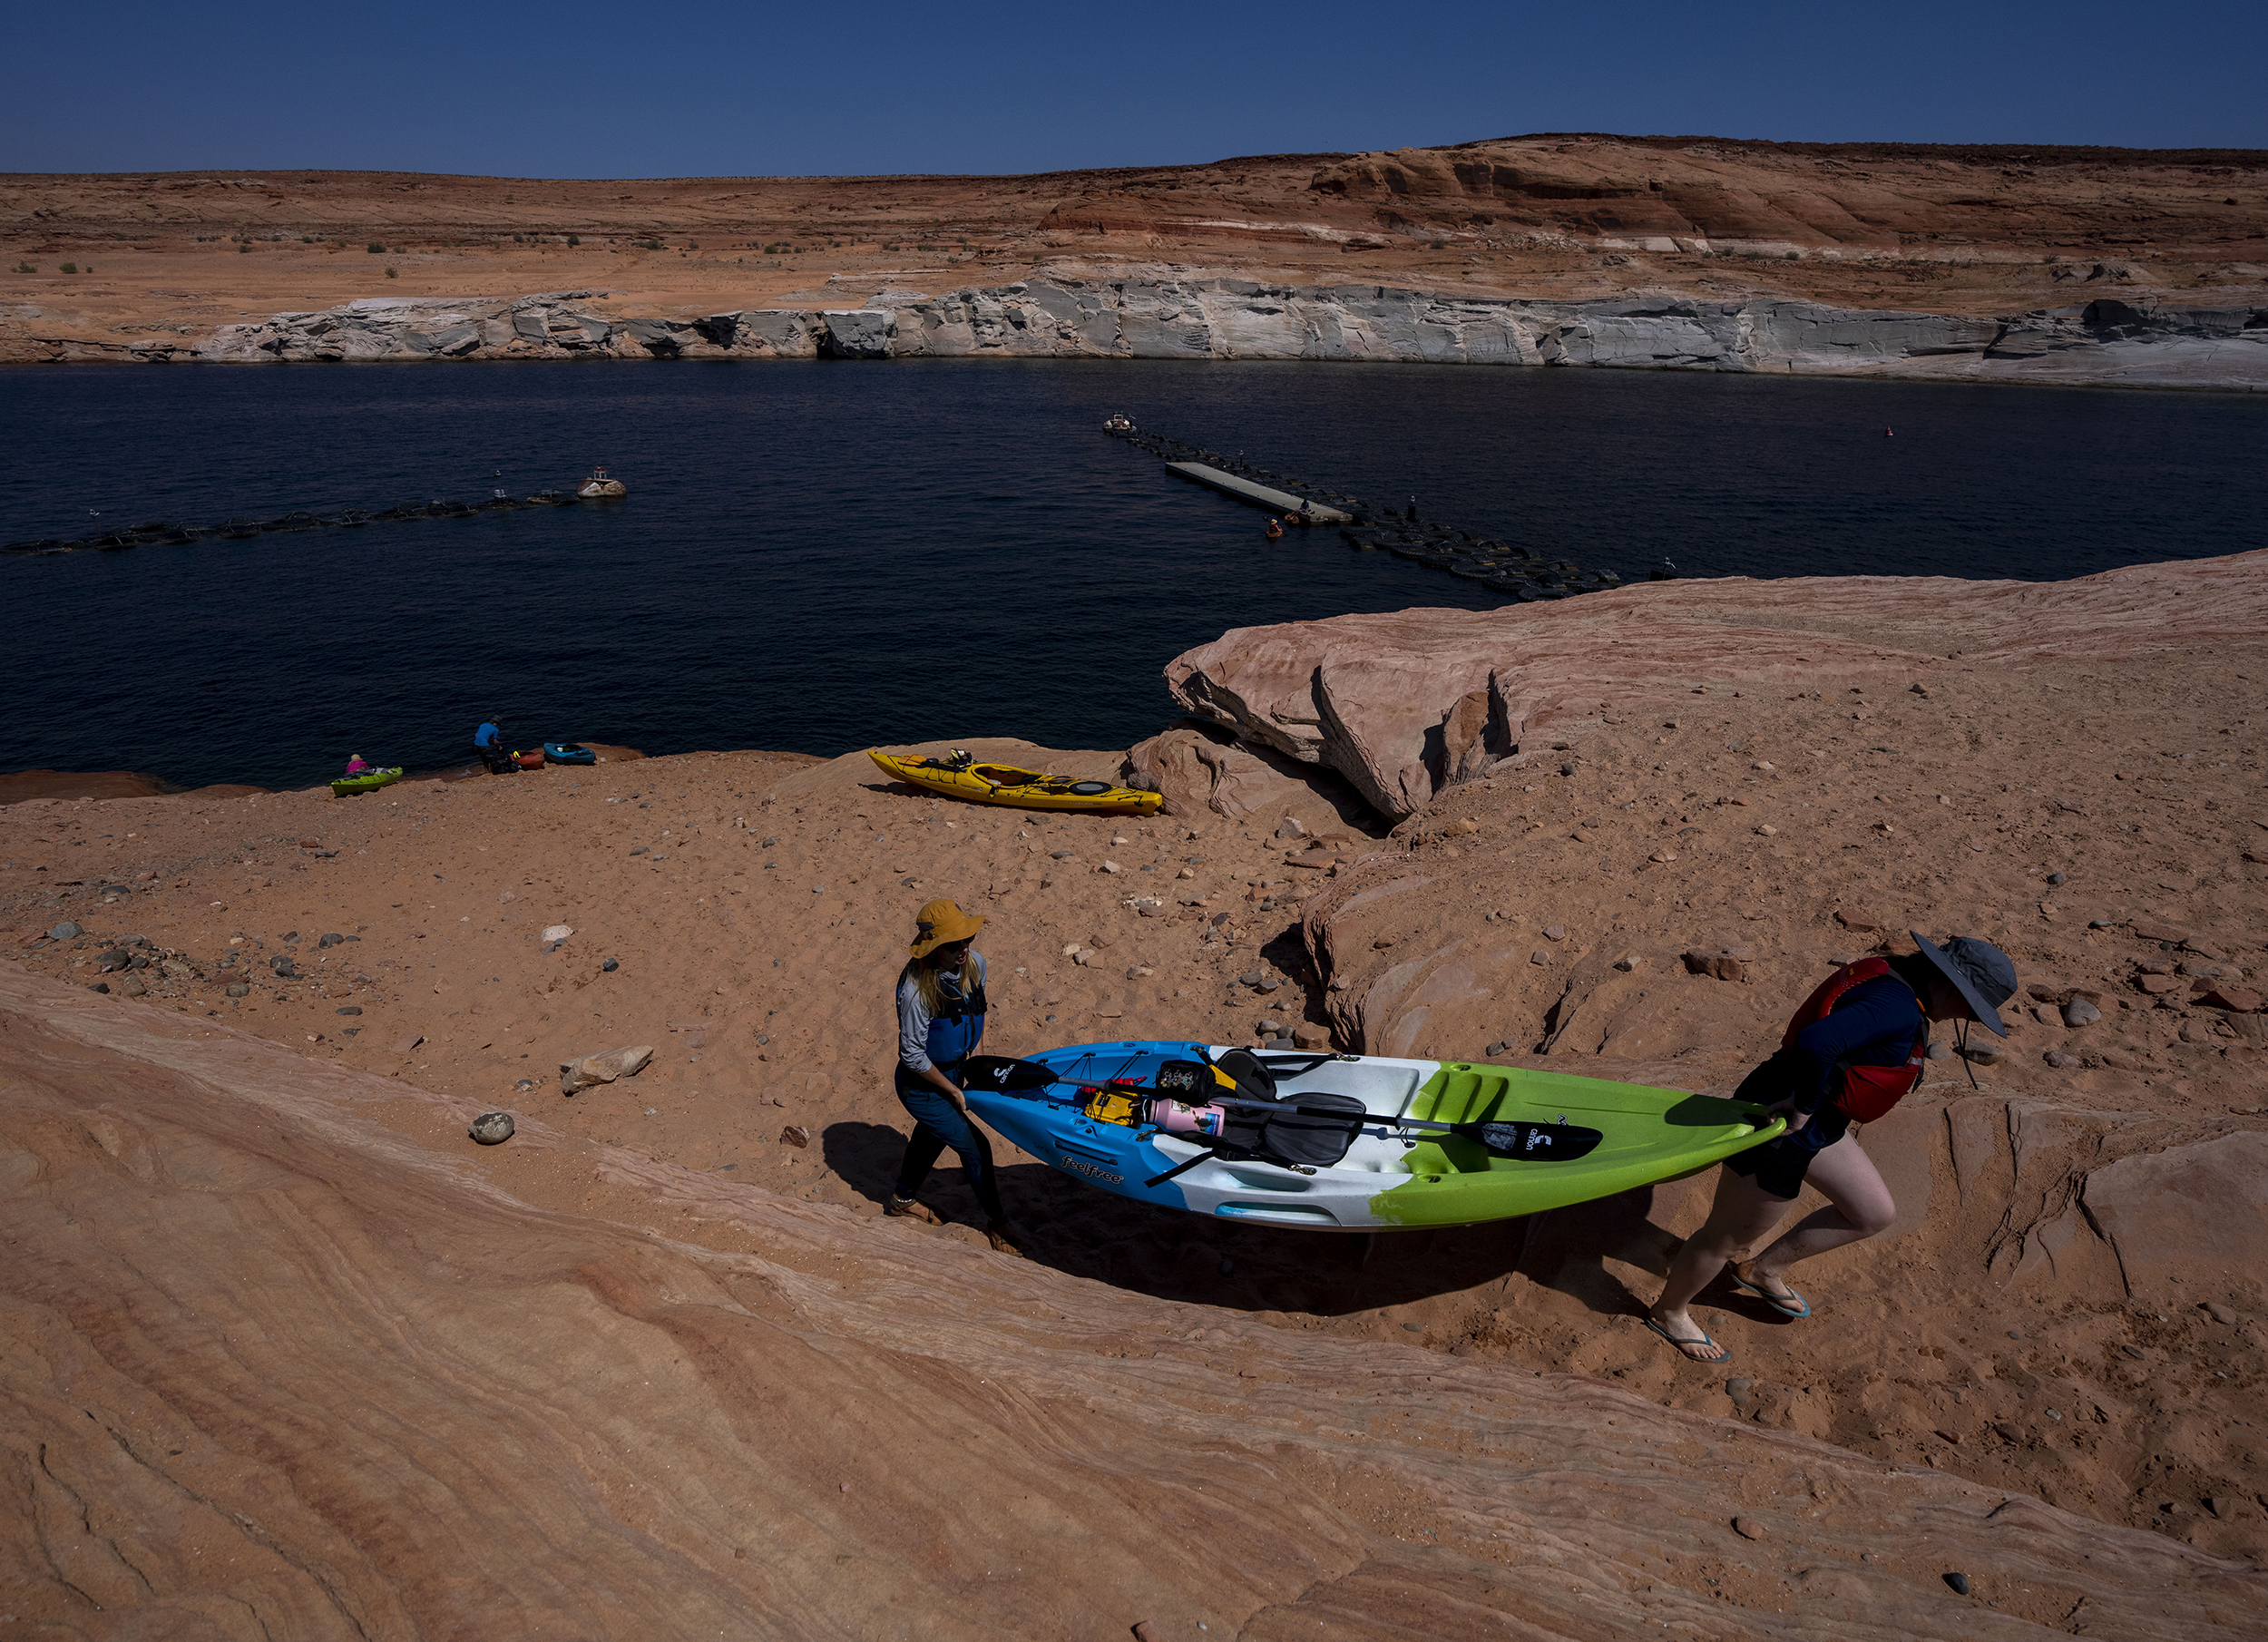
x=820 y=556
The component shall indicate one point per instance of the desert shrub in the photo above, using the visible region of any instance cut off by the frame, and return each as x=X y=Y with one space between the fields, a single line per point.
x=70 y=268
x=393 y=274
x=375 y=249
x=574 y=238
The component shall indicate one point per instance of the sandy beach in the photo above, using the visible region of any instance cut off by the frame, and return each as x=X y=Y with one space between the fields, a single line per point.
x=2048 y=1375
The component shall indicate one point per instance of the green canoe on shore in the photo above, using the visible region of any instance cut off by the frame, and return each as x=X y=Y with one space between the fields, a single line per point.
x=346 y=787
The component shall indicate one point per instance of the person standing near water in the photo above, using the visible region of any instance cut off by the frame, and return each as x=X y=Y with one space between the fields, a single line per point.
x=1852 y=1052
x=940 y=1023
x=488 y=742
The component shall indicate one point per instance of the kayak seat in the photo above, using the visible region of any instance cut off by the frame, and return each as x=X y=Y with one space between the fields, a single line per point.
x=1294 y=1137
x=1290 y=1137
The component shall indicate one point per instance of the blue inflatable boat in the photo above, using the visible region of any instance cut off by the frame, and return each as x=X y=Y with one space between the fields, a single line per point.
x=568 y=752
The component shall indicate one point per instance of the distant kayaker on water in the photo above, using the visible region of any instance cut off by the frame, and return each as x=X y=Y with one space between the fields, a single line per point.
x=1852 y=1052
x=941 y=1022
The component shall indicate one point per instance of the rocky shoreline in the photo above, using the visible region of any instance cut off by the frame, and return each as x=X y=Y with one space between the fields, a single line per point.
x=2133 y=340
x=1610 y=837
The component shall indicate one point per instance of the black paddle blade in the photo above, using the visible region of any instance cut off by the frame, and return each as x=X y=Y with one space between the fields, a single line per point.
x=1533 y=1142
x=1005 y=1073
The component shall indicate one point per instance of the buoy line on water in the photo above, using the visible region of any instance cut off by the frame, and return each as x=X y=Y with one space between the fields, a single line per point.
x=159 y=532
x=1518 y=571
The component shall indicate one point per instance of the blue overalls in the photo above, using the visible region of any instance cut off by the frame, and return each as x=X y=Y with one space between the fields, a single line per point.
x=954 y=1033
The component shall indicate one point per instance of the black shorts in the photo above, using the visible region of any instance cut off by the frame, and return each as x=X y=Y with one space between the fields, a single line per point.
x=1779 y=1164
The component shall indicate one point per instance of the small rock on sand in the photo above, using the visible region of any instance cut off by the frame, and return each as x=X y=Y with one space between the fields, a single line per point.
x=1555 y=931
x=65 y=932
x=1959 y=1582
x=493 y=1128
x=1541 y=955
x=2080 y=1012
x=237 y=989
x=403 y=1046
x=1747 y=1527
x=558 y=931
x=2219 y=1313
x=575 y=1076
x=794 y=1135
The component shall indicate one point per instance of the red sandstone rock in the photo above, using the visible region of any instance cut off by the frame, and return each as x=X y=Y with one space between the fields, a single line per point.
x=1406 y=704
x=211 y=1237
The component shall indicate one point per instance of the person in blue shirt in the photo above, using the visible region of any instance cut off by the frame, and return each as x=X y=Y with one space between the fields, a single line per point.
x=1855 y=1048
x=488 y=742
x=940 y=1023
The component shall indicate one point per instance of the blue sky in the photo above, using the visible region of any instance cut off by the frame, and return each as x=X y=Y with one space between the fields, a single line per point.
x=686 y=87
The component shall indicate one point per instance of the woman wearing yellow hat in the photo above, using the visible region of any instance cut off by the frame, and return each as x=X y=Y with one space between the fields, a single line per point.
x=941 y=1022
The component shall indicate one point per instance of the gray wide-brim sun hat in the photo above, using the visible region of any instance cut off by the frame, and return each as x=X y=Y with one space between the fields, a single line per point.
x=1980 y=971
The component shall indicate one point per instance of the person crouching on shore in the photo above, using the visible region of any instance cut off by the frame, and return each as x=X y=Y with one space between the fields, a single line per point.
x=941 y=1022
x=1852 y=1052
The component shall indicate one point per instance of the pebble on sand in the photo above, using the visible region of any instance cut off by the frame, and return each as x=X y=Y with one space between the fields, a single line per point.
x=65 y=932
x=1959 y=1582
x=1747 y=1527
x=558 y=931
x=492 y=1128
x=575 y=1076
x=2079 y=1012
x=794 y=1135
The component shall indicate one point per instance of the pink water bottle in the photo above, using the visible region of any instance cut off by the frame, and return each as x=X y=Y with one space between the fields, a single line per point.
x=1177 y=1119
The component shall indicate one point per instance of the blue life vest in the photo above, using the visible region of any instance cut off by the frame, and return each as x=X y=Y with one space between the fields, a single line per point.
x=958 y=1026
x=486 y=735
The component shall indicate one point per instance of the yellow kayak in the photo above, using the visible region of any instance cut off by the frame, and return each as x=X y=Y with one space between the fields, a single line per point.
x=957 y=775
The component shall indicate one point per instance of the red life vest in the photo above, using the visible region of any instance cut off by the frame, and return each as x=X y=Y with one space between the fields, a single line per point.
x=1866 y=1092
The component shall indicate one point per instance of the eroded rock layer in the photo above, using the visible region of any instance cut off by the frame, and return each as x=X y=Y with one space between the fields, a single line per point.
x=275 y=1370
x=2135 y=343
x=1700 y=241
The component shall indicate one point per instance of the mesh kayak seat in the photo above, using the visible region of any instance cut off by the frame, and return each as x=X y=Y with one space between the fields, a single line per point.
x=1287 y=1136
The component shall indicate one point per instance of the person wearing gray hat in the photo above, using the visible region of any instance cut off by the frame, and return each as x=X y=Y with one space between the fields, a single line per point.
x=1851 y=1054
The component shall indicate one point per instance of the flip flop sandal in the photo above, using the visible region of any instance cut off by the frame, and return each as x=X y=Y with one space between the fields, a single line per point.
x=1779 y=1302
x=1681 y=1344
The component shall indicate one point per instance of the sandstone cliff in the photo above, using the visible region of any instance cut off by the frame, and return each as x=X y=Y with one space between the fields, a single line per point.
x=1704 y=230
x=2109 y=340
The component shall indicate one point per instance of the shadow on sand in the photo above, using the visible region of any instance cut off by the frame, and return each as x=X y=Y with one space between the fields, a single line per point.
x=1171 y=1254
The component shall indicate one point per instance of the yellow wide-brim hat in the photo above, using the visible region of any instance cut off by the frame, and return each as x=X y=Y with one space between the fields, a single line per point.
x=941 y=923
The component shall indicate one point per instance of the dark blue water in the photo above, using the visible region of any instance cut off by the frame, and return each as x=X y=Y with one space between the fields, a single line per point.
x=821 y=556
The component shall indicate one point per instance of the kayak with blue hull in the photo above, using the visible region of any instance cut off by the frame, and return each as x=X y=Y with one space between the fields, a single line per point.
x=1329 y=1142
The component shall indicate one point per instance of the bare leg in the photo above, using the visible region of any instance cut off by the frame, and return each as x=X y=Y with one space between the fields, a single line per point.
x=1742 y=1213
x=1859 y=1207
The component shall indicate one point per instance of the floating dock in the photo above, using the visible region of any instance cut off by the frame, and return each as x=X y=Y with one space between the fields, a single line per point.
x=1259 y=496
x=1515 y=570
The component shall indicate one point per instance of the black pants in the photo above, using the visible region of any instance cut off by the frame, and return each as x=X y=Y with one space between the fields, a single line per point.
x=499 y=763
x=937 y=1124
